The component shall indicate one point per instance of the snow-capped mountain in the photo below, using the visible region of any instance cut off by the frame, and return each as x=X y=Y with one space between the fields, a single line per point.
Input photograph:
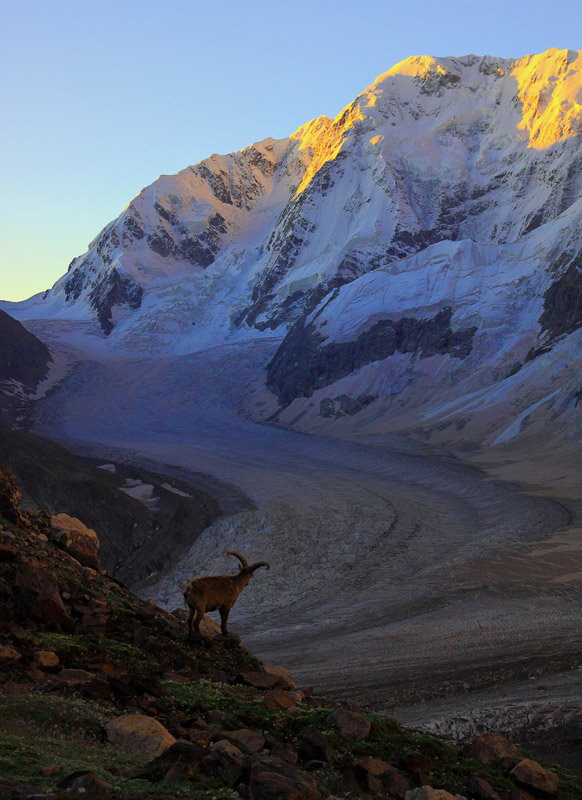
x=421 y=247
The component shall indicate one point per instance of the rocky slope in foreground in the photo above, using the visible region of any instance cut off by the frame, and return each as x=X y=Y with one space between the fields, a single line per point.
x=103 y=695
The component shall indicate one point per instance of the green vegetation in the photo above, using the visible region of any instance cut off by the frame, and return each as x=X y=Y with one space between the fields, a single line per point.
x=39 y=731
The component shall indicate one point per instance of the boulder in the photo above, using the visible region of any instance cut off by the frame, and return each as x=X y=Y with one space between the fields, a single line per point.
x=258 y=680
x=492 y=748
x=350 y=724
x=279 y=699
x=531 y=775
x=394 y=784
x=215 y=717
x=285 y=751
x=46 y=659
x=9 y=654
x=85 y=783
x=225 y=762
x=428 y=793
x=375 y=766
x=36 y=595
x=315 y=746
x=480 y=789
x=378 y=776
x=46 y=772
x=183 y=753
x=7 y=549
x=77 y=539
x=285 y=678
x=416 y=762
x=273 y=779
x=136 y=733
x=519 y=793
x=97 y=689
x=247 y=740
x=9 y=497
x=75 y=677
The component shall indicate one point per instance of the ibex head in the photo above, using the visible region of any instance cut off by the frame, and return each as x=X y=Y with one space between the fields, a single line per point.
x=245 y=567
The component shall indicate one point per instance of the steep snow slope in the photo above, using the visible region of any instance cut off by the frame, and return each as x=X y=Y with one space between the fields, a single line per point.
x=461 y=342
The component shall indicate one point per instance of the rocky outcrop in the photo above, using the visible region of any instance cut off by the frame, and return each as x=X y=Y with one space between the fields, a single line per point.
x=532 y=776
x=23 y=357
x=350 y=724
x=114 y=290
x=305 y=362
x=77 y=539
x=139 y=734
x=24 y=363
x=492 y=747
x=10 y=496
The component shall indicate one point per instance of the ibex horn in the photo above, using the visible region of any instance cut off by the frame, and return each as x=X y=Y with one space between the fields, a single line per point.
x=259 y=564
x=242 y=559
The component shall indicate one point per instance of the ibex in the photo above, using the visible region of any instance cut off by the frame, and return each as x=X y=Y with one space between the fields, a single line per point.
x=217 y=592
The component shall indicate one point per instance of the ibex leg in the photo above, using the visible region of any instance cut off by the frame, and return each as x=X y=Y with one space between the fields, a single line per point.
x=224 y=619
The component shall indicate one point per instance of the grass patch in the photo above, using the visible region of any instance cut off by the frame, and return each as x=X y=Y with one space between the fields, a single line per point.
x=242 y=706
x=49 y=730
x=82 y=649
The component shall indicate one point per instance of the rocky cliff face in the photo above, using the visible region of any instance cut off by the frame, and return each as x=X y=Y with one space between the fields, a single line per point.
x=24 y=363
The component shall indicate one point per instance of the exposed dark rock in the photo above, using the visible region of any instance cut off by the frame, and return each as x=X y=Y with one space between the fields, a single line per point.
x=480 y=789
x=534 y=777
x=36 y=594
x=75 y=283
x=350 y=724
x=85 y=783
x=259 y=680
x=492 y=747
x=169 y=216
x=562 y=312
x=179 y=753
x=23 y=358
x=394 y=784
x=225 y=761
x=303 y=363
x=200 y=250
x=247 y=740
x=114 y=290
x=161 y=242
x=314 y=745
x=285 y=751
x=343 y=405
x=10 y=496
x=416 y=762
x=273 y=779
x=134 y=228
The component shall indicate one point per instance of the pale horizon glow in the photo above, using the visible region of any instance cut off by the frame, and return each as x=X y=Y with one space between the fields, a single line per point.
x=101 y=100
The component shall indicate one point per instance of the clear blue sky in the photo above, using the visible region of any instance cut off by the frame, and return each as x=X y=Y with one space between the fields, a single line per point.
x=99 y=98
